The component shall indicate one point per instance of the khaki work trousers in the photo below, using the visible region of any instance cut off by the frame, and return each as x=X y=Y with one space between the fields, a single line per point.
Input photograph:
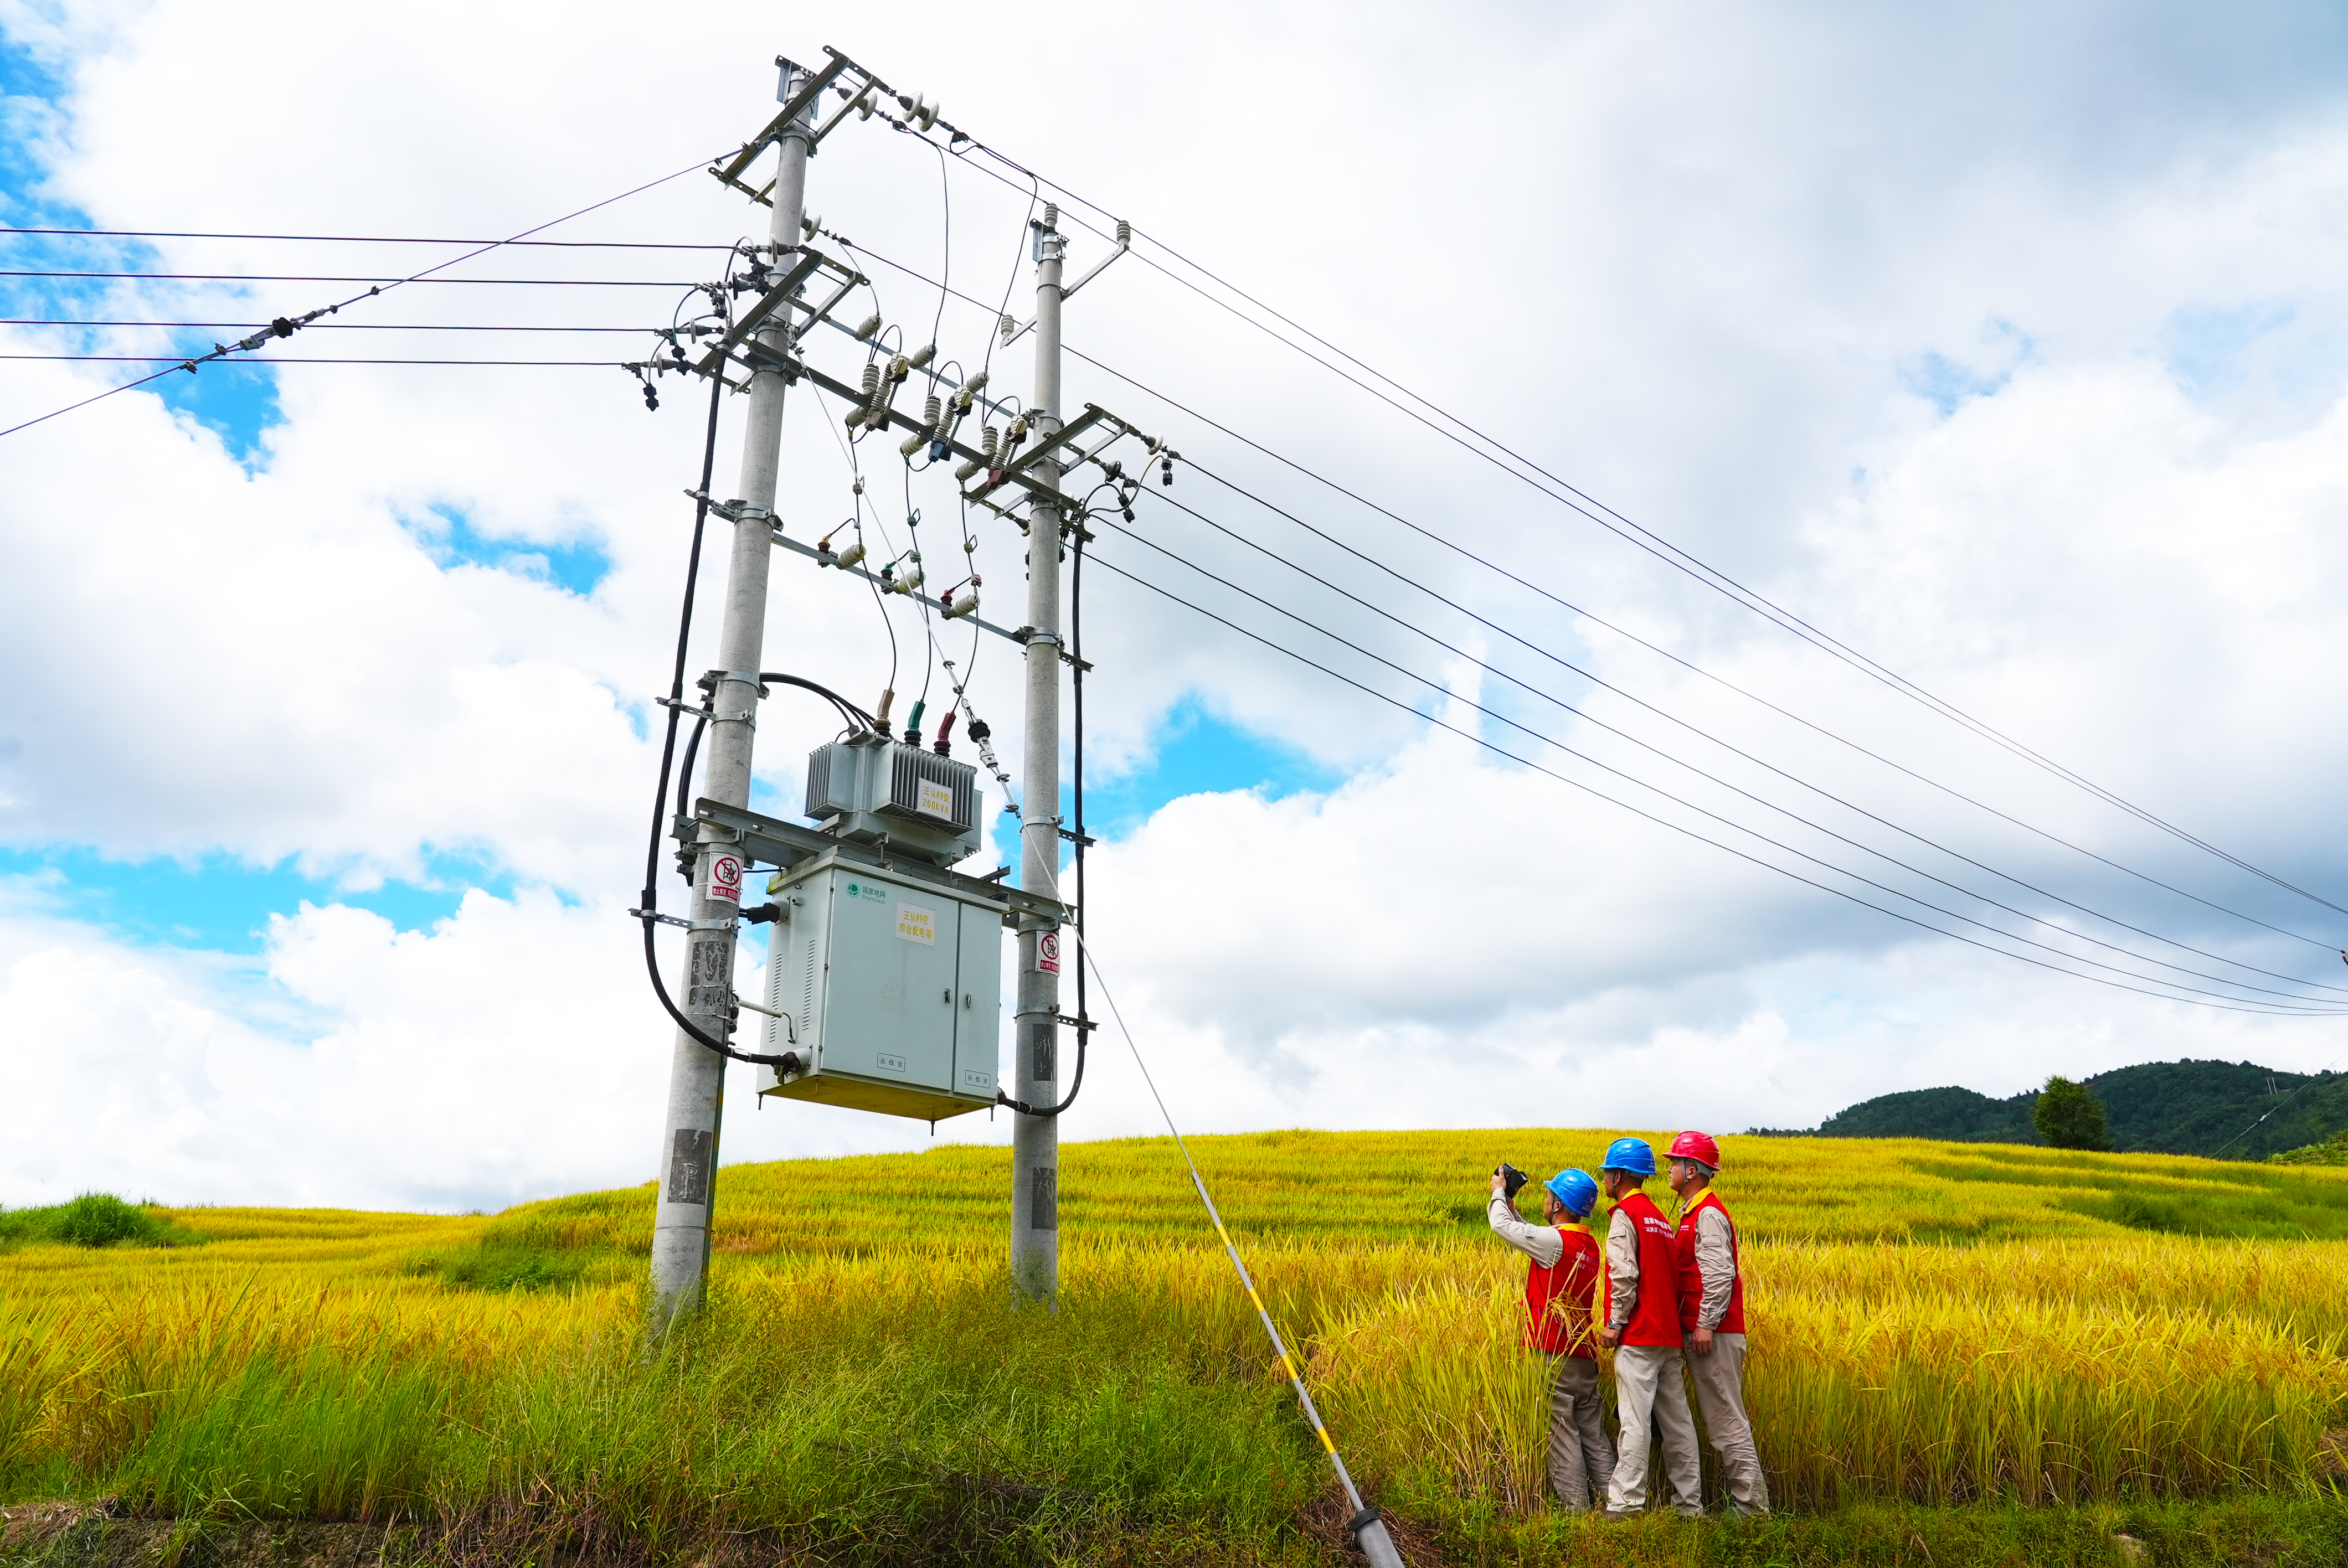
x=1719 y=1381
x=1647 y=1385
x=1581 y=1457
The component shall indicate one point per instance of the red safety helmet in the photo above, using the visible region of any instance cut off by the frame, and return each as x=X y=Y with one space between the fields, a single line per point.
x=1696 y=1146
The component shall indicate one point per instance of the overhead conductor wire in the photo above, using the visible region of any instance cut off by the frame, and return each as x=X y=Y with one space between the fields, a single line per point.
x=1636 y=534
x=1585 y=614
x=285 y=326
x=2287 y=1008
x=2237 y=1005
x=1562 y=704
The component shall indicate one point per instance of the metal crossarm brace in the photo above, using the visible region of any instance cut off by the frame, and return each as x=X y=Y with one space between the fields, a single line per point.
x=732 y=173
x=776 y=842
x=768 y=303
x=817 y=556
x=1065 y=435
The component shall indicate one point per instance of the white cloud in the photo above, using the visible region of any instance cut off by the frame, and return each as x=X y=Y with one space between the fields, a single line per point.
x=2005 y=346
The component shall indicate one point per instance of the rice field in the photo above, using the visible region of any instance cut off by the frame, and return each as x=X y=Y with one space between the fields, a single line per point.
x=1934 y=1326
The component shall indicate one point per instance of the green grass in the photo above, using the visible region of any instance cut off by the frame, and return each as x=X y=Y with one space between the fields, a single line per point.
x=94 y=1220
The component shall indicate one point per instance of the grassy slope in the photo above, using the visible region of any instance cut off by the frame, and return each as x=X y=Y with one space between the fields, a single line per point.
x=862 y=1389
x=1362 y=1187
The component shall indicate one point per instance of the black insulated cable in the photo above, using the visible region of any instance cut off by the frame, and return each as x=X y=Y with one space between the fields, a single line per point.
x=1077 y=682
x=648 y=910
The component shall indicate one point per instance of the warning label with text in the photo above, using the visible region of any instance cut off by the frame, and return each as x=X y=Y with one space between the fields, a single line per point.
x=915 y=924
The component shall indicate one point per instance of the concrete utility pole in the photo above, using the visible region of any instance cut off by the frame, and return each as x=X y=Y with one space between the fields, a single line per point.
x=697 y=1081
x=1035 y=1071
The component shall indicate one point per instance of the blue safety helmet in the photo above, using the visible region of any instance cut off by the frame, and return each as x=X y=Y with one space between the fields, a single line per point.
x=1630 y=1154
x=1575 y=1190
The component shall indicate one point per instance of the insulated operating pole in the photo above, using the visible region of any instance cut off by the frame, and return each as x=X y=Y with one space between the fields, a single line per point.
x=1036 y=1069
x=696 y=1081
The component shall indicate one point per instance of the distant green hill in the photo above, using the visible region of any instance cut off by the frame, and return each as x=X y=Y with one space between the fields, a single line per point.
x=2159 y=1107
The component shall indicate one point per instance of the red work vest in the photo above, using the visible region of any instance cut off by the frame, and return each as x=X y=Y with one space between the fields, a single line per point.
x=1558 y=1297
x=1656 y=1318
x=1692 y=1277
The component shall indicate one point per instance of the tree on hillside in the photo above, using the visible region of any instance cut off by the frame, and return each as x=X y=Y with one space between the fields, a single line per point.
x=2068 y=1117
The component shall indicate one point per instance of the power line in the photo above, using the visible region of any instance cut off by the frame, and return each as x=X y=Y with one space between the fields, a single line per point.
x=2234 y=1006
x=175 y=360
x=330 y=278
x=321 y=326
x=1720 y=680
x=1559 y=702
x=1634 y=533
x=283 y=327
x=368 y=239
x=2295 y=1006
x=1634 y=638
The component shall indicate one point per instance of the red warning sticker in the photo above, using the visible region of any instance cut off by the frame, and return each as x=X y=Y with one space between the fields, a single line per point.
x=1047 y=953
x=725 y=877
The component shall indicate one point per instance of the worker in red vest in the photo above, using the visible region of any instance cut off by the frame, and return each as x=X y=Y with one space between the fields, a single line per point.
x=1712 y=1315
x=1643 y=1318
x=1561 y=1286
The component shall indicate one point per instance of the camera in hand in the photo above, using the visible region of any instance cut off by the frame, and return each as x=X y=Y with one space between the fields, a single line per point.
x=1511 y=1179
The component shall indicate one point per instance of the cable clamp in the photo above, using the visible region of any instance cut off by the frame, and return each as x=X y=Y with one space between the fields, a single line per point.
x=680 y=923
x=1030 y=636
x=709 y=682
x=738 y=511
x=1057 y=1017
x=746 y=716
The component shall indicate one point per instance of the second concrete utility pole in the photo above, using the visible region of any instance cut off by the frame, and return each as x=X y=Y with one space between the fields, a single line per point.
x=1036 y=1070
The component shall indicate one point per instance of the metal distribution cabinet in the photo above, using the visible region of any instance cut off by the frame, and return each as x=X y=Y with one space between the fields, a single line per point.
x=892 y=988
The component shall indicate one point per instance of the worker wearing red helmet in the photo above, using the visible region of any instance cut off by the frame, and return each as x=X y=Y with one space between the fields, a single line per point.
x=1712 y=1319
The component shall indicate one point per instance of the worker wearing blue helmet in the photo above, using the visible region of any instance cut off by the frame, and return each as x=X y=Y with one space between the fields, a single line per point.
x=1642 y=1327
x=1561 y=1286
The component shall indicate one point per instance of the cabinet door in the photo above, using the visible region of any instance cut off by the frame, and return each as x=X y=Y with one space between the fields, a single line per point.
x=892 y=1000
x=978 y=1007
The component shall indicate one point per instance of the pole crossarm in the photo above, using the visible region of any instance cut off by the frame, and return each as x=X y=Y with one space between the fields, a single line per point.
x=774 y=298
x=772 y=841
x=730 y=172
x=825 y=557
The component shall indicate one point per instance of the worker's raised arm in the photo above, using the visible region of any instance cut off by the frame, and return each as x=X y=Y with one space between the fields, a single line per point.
x=1540 y=1242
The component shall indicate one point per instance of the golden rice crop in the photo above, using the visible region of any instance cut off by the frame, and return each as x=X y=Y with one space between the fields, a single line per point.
x=2035 y=1350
